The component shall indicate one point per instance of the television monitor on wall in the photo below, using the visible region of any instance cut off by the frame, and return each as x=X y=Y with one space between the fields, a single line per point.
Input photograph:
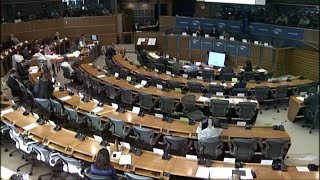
x=216 y=59
x=94 y=37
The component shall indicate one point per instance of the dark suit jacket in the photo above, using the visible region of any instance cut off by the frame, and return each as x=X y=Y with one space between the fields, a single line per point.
x=248 y=68
x=311 y=102
x=226 y=69
x=23 y=73
x=144 y=58
x=110 y=52
x=199 y=33
x=45 y=89
x=162 y=60
x=189 y=31
x=14 y=86
x=240 y=85
x=26 y=55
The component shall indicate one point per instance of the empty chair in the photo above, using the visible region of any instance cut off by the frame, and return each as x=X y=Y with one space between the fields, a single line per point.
x=274 y=149
x=175 y=145
x=118 y=128
x=173 y=84
x=207 y=75
x=219 y=108
x=156 y=81
x=261 y=95
x=112 y=94
x=280 y=94
x=303 y=88
x=213 y=89
x=242 y=149
x=127 y=98
x=237 y=91
x=94 y=123
x=145 y=101
x=131 y=176
x=145 y=138
x=96 y=87
x=313 y=118
x=73 y=166
x=209 y=148
x=189 y=108
x=248 y=76
x=227 y=76
x=194 y=87
x=176 y=68
x=72 y=117
x=67 y=73
x=44 y=106
x=247 y=111
x=57 y=108
x=89 y=176
x=161 y=68
x=167 y=105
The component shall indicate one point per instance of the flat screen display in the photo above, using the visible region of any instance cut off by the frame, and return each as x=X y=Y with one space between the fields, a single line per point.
x=216 y=59
x=94 y=38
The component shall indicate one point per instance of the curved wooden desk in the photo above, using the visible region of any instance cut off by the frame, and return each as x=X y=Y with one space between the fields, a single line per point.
x=250 y=85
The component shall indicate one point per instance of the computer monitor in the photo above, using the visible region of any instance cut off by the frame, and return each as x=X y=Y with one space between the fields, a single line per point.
x=216 y=59
x=94 y=37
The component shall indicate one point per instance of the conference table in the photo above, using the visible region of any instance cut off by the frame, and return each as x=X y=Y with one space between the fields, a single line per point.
x=250 y=85
x=147 y=164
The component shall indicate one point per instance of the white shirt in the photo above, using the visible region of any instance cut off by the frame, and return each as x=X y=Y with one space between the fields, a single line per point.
x=208 y=133
x=66 y=64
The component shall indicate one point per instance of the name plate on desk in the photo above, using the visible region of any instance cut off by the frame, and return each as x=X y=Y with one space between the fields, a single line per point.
x=221 y=37
x=231 y=38
x=184 y=34
x=229 y=160
x=168 y=73
x=256 y=42
x=206 y=35
x=194 y=34
x=158 y=151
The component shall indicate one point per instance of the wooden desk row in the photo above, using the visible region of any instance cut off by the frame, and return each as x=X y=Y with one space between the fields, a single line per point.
x=148 y=164
x=176 y=128
x=121 y=83
x=250 y=85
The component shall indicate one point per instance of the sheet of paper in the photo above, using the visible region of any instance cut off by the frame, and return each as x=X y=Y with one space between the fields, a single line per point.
x=199 y=77
x=184 y=119
x=237 y=100
x=203 y=172
x=135 y=109
x=65 y=98
x=219 y=93
x=7 y=111
x=158 y=151
x=229 y=160
x=158 y=115
x=116 y=74
x=159 y=86
x=143 y=82
x=125 y=145
x=240 y=123
x=97 y=109
x=116 y=155
x=220 y=172
x=97 y=138
x=101 y=76
x=114 y=105
x=266 y=162
x=185 y=66
x=192 y=157
x=262 y=70
x=185 y=75
x=224 y=84
x=138 y=86
x=156 y=70
x=30 y=126
x=203 y=99
x=36 y=115
x=125 y=159
x=232 y=84
x=52 y=123
x=22 y=109
x=213 y=83
x=95 y=101
x=302 y=169
x=300 y=98
x=177 y=89
x=198 y=63
x=240 y=94
x=168 y=73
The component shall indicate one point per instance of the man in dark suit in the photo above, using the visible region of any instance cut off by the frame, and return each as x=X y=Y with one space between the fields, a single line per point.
x=110 y=51
x=162 y=60
x=188 y=30
x=22 y=71
x=240 y=83
x=144 y=58
x=13 y=84
x=25 y=52
x=226 y=69
x=312 y=101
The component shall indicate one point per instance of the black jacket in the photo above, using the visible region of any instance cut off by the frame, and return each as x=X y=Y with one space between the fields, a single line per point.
x=110 y=52
x=240 y=85
x=14 y=86
x=311 y=102
x=226 y=69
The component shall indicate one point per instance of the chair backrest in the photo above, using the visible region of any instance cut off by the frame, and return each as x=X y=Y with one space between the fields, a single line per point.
x=276 y=148
x=126 y=95
x=72 y=115
x=227 y=76
x=43 y=154
x=175 y=145
x=172 y=84
x=247 y=110
x=194 y=87
x=141 y=77
x=281 y=92
x=244 y=149
x=144 y=135
x=145 y=100
x=207 y=74
x=57 y=107
x=210 y=148
x=235 y=91
x=44 y=105
x=131 y=176
x=66 y=72
x=110 y=90
x=189 y=103
x=94 y=121
x=219 y=108
x=161 y=67
x=261 y=93
x=117 y=127
x=248 y=75
x=166 y=104
x=213 y=89
x=90 y=176
x=123 y=73
x=176 y=68
x=303 y=88
x=71 y=165
x=156 y=80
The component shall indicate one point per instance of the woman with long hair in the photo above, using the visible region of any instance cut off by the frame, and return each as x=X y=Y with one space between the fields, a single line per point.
x=102 y=165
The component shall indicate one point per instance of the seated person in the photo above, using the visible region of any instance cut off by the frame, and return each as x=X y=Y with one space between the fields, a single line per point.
x=282 y=20
x=248 y=66
x=22 y=71
x=208 y=133
x=66 y=64
x=240 y=83
x=226 y=68
x=188 y=30
x=25 y=52
x=214 y=32
x=47 y=50
x=199 y=31
x=12 y=82
x=45 y=84
x=110 y=52
x=162 y=60
x=16 y=58
x=144 y=58
x=304 y=22
x=102 y=165
x=191 y=71
x=226 y=35
x=311 y=102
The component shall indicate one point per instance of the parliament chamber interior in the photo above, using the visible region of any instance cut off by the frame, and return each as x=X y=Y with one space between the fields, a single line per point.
x=160 y=89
